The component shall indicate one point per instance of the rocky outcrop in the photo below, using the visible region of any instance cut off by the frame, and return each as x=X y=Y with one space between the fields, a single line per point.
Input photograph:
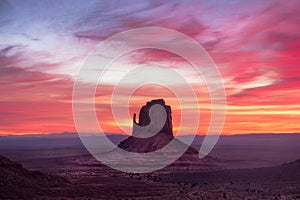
x=163 y=138
x=144 y=118
x=149 y=144
x=16 y=182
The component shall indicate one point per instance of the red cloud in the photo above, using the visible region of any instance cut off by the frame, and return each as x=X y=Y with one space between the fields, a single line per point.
x=247 y=42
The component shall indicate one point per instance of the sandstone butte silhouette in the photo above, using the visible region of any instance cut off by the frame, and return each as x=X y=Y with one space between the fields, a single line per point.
x=161 y=139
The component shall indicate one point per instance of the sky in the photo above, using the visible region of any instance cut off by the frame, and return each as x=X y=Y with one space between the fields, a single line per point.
x=255 y=45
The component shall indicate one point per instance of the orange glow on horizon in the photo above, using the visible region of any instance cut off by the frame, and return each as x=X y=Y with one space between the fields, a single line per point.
x=256 y=50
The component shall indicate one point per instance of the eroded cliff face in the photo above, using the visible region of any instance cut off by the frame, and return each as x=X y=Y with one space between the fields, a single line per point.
x=143 y=142
x=155 y=142
x=144 y=117
x=161 y=139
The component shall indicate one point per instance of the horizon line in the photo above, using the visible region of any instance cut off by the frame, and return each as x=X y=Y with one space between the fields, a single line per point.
x=120 y=134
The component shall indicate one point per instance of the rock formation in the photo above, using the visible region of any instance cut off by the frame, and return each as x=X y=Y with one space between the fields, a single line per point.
x=16 y=182
x=144 y=118
x=163 y=138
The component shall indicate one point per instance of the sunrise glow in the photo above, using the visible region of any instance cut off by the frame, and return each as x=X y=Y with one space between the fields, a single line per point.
x=256 y=46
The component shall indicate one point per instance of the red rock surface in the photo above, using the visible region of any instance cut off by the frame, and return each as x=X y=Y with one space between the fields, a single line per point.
x=164 y=137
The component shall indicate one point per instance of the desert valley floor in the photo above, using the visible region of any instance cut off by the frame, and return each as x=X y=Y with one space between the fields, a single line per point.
x=240 y=167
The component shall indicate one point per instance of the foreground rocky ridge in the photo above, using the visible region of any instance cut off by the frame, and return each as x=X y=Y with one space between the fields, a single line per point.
x=17 y=182
x=93 y=180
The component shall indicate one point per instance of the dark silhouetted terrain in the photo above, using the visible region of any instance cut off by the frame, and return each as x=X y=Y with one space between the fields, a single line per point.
x=89 y=179
x=263 y=166
x=17 y=182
